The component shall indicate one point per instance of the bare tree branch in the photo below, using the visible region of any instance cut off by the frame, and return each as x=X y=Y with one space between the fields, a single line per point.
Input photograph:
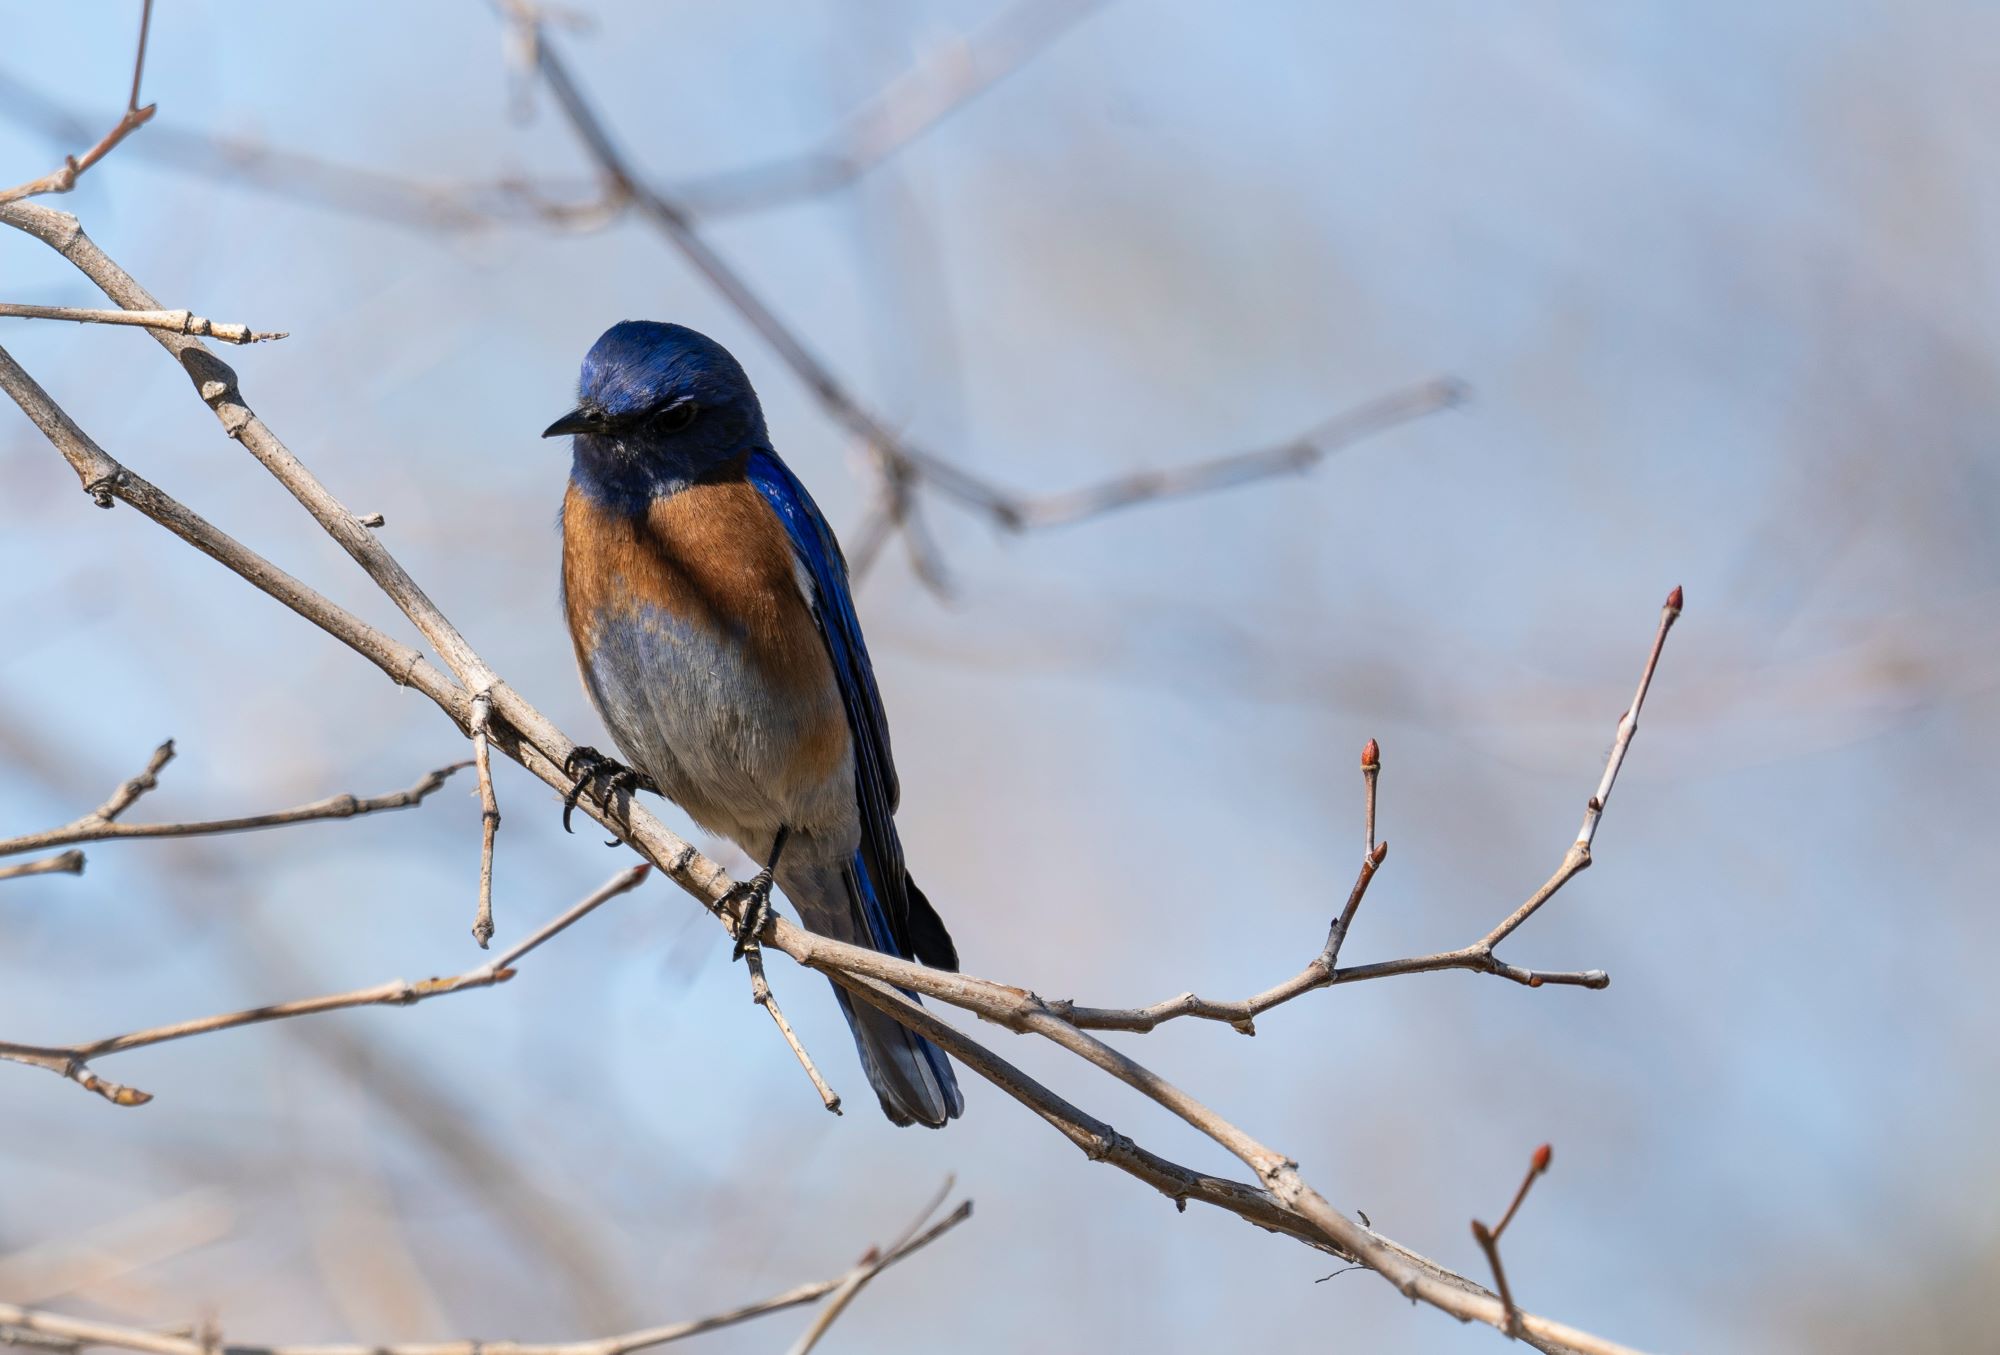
x=100 y=824
x=134 y=117
x=537 y=1210
x=35 y=1328
x=180 y=322
x=73 y=1061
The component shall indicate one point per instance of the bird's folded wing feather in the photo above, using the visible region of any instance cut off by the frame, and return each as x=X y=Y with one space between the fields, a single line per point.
x=833 y=608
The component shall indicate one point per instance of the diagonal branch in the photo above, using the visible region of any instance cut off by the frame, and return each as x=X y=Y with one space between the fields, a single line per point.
x=33 y=1327
x=73 y=1061
x=908 y=108
x=100 y=824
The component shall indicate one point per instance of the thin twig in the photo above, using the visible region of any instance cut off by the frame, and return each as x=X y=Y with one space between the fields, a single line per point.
x=1489 y=1238
x=1577 y=859
x=1489 y=1244
x=100 y=824
x=1371 y=771
x=66 y=863
x=73 y=1061
x=63 y=179
x=33 y=1327
x=760 y=993
x=489 y=814
x=1478 y=957
x=1537 y=1165
x=1301 y=454
x=180 y=322
x=871 y=1265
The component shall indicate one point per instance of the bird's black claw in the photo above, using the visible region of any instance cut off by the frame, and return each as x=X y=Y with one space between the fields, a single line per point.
x=589 y=768
x=755 y=896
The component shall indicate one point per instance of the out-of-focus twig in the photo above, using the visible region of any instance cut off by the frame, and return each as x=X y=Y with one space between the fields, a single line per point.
x=100 y=1264
x=131 y=120
x=63 y=863
x=100 y=825
x=44 y=1330
x=73 y=1061
x=180 y=322
x=939 y=85
x=871 y=1264
x=905 y=110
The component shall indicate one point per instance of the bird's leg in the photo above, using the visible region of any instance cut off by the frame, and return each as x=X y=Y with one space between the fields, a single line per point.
x=589 y=768
x=755 y=895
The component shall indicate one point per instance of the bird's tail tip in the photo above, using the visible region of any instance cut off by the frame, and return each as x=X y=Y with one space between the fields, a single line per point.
x=912 y=1077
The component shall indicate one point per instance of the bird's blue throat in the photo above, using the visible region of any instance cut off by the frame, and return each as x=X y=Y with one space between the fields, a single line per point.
x=625 y=476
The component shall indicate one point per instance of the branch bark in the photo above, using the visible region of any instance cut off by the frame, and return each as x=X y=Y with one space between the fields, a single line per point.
x=178 y=322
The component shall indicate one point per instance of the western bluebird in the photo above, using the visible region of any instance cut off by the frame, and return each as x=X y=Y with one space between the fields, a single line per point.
x=709 y=605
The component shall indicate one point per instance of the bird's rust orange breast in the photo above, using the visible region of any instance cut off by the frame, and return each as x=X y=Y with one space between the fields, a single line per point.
x=713 y=556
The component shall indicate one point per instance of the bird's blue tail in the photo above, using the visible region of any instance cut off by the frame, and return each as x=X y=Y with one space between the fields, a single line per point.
x=911 y=1076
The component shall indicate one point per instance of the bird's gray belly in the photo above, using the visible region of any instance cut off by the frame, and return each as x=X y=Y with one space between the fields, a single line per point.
x=689 y=708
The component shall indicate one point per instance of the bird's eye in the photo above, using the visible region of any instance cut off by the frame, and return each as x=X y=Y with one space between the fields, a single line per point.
x=677 y=416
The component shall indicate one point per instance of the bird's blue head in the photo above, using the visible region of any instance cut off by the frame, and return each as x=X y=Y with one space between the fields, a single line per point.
x=657 y=407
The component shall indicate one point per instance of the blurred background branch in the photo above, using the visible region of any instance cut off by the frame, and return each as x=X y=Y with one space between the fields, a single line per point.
x=35 y=1329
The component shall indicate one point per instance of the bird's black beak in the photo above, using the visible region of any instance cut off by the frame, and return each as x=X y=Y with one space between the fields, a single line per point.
x=582 y=419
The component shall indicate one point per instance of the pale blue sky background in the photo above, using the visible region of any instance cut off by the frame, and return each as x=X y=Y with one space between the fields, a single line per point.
x=1723 y=281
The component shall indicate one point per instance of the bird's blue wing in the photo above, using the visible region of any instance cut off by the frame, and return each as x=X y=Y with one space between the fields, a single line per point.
x=896 y=910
